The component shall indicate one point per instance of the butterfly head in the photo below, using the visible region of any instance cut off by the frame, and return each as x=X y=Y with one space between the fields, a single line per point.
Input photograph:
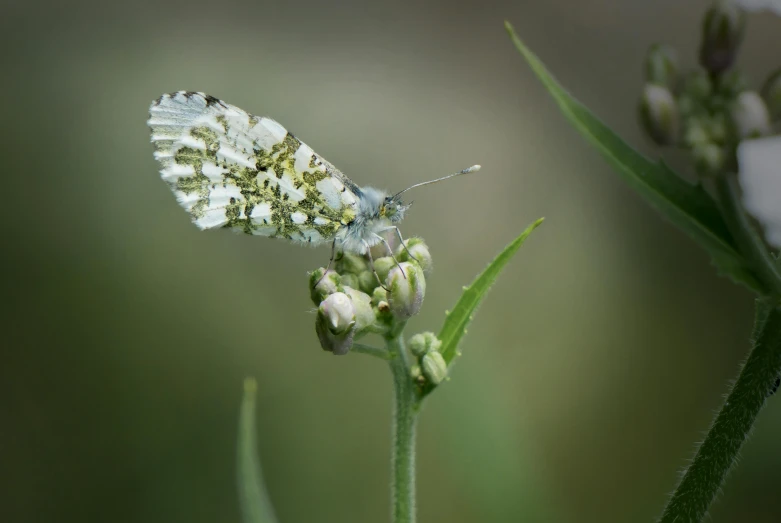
x=393 y=209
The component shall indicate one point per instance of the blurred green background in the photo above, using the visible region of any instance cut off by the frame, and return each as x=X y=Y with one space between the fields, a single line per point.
x=588 y=374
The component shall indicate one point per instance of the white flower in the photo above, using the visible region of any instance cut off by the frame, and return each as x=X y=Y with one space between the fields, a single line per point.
x=760 y=177
x=758 y=5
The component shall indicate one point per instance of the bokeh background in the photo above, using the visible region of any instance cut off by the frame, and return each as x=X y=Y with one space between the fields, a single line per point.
x=589 y=373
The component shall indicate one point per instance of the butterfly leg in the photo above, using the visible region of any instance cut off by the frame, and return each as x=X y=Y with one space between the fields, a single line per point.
x=330 y=261
x=390 y=251
x=401 y=240
x=371 y=264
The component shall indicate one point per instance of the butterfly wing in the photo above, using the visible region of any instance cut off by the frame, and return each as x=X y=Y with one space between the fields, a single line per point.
x=234 y=170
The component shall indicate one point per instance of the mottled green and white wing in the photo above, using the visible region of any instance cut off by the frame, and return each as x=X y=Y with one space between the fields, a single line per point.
x=234 y=170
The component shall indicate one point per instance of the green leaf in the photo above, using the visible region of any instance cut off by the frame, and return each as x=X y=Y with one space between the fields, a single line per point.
x=687 y=206
x=457 y=319
x=253 y=499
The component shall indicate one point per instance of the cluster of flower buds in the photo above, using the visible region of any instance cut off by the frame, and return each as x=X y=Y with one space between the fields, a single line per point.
x=353 y=299
x=431 y=367
x=710 y=110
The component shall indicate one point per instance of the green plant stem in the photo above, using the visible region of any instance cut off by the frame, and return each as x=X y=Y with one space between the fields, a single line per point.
x=405 y=409
x=749 y=241
x=360 y=348
x=702 y=481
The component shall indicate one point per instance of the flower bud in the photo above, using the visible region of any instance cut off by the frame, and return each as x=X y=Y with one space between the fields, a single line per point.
x=709 y=159
x=750 y=117
x=350 y=280
x=383 y=266
x=406 y=290
x=696 y=133
x=338 y=312
x=434 y=367
x=659 y=114
x=367 y=282
x=322 y=284
x=723 y=29
x=379 y=295
x=732 y=83
x=661 y=66
x=352 y=264
x=419 y=251
x=364 y=314
x=416 y=373
x=771 y=92
x=698 y=85
x=423 y=343
x=335 y=324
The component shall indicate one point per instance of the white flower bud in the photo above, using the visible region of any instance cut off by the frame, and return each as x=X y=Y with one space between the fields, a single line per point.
x=760 y=179
x=350 y=263
x=364 y=314
x=338 y=312
x=750 y=117
x=407 y=290
x=419 y=252
x=659 y=114
x=383 y=266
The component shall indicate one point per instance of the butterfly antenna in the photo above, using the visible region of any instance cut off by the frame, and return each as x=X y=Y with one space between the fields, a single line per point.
x=472 y=169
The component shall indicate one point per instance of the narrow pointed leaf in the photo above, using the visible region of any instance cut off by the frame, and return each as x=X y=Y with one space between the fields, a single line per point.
x=455 y=324
x=253 y=499
x=687 y=206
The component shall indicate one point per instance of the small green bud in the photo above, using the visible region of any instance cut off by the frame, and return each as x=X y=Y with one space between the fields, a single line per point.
x=732 y=83
x=383 y=266
x=661 y=66
x=364 y=314
x=771 y=92
x=416 y=373
x=407 y=290
x=434 y=367
x=351 y=263
x=709 y=159
x=419 y=251
x=423 y=343
x=659 y=114
x=696 y=133
x=335 y=324
x=750 y=117
x=698 y=85
x=417 y=345
x=723 y=29
x=717 y=128
x=379 y=295
x=350 y=280
x=367 y=282
x=322 y=284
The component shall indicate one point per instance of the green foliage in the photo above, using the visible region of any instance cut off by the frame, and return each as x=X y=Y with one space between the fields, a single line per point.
x=687 y=206
x=254 y=502
x=457 y=320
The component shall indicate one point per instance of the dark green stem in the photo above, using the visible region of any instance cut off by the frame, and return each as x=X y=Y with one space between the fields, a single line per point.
x=702 y=481
x=405 y=409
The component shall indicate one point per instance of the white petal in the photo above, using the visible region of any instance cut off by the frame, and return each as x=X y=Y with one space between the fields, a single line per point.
x=760 y=177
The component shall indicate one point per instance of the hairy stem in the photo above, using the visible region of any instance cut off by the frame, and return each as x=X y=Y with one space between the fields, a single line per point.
x=405 y=409
x=719 y=451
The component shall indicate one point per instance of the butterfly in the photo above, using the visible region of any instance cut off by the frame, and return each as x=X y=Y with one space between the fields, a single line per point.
x=230 y=169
